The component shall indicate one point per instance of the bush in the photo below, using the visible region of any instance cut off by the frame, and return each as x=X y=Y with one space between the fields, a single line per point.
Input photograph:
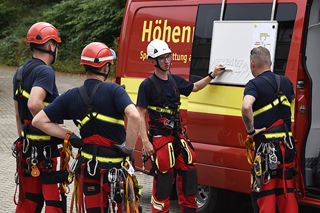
x=79 y=23
x=6 y=15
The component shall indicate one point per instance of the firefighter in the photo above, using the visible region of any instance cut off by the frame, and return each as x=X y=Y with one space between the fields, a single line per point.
x=98 y=109
x=166 y=143
x=39 y=156
x=266 y=114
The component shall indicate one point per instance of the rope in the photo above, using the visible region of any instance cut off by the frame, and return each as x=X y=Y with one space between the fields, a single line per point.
x=249 y=144
x=66 y=150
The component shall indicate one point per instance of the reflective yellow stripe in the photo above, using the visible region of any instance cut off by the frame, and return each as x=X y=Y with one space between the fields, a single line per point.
x=27 y=95
x=184 y=145
x=283 y=99
x=276 y=135
x=162 y=110
x=170 y=156
x=103 y=159
x=100 y=117
x=156 y=204
x=37 y=137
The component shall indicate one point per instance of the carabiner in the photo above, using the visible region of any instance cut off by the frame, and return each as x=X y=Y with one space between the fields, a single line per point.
x=284 y=139
x=130 y=169
x=94 y=170
x=24 y=148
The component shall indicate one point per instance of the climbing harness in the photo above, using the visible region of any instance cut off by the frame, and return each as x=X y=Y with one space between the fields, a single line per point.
x=266 y=164
x=122 y=181
x=92 y=162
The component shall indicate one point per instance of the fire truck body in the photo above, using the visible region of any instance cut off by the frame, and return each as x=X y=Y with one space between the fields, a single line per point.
x=212 y=116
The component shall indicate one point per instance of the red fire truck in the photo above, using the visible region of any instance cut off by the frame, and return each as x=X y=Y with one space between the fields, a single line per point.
x=212 y=116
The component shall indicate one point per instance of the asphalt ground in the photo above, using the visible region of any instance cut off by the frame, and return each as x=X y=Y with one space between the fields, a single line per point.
x=8 y=134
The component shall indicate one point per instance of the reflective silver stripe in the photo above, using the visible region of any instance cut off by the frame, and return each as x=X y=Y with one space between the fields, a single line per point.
x=113 y=57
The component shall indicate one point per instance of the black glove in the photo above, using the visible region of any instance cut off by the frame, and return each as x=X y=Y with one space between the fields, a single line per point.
x=75 y=141
x=122 y=148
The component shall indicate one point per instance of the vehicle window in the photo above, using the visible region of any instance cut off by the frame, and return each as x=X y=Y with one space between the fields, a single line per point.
x=285 y=15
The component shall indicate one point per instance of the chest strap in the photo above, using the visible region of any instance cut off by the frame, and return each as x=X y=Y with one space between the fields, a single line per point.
x=280 y=99
x=92 y=112
x=162 y=104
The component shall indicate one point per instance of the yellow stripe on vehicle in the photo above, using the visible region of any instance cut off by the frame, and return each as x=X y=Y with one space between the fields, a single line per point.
x=132 y=88
x=213 y=99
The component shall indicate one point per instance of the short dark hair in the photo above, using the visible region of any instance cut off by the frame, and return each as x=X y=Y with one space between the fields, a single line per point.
x=89 y=68
x=42 y=46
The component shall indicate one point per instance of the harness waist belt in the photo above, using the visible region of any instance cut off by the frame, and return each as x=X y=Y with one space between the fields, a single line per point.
x=103 y=151
x=162 y=131
x=104 y=159
x=276 y=135
x=36 y=137
x=162 y=110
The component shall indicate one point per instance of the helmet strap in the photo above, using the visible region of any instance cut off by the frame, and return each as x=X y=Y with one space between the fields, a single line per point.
x=158 y=66
x=98 y=73
x=46 y=51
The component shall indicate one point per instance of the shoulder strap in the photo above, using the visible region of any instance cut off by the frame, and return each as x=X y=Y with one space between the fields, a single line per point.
x=175 y=87
x=87 y=100
x=277 y=88
x=21 y=77
x=156 y=89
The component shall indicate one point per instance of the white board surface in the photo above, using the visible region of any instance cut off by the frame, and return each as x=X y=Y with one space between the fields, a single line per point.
x=232 y=42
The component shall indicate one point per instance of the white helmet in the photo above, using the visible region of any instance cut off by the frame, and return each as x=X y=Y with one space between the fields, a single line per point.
x=156 y=48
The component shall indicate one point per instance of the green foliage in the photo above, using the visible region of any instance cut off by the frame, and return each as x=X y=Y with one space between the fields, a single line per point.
x=7 y=13
x=79 y=23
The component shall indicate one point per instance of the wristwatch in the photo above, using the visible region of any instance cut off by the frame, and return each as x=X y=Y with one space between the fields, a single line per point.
x=251 y=133
x=210 y=75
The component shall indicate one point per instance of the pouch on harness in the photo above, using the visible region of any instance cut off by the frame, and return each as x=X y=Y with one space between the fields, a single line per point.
x=94 y=162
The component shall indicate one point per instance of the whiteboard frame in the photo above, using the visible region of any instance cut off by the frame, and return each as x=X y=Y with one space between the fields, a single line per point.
x=224 y=41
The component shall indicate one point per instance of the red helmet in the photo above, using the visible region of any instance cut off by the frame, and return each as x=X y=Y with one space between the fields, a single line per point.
x=41 y=32
x=97 y=54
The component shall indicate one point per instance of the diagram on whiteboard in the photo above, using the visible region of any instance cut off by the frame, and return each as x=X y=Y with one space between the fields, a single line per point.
x=231 y=46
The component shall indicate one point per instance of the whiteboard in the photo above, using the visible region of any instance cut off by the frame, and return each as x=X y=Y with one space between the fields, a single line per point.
x=232 y=42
